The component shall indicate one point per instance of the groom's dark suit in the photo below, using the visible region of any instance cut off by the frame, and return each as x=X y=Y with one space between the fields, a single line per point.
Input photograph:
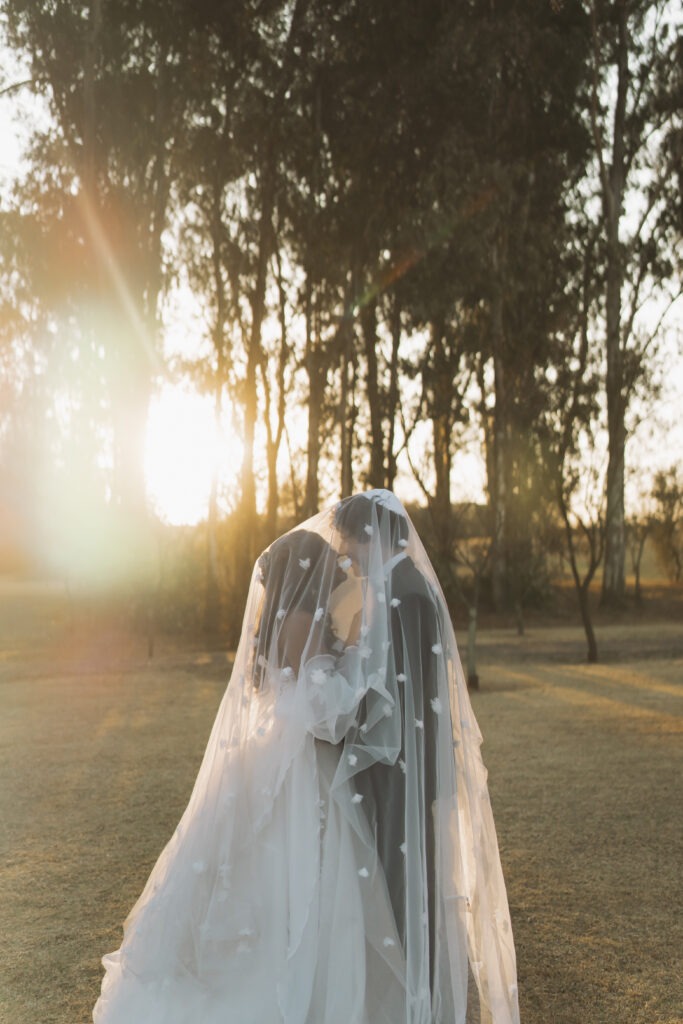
x=415 y=631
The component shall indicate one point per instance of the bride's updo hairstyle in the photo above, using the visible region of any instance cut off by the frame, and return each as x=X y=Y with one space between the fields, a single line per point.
x=354 y=519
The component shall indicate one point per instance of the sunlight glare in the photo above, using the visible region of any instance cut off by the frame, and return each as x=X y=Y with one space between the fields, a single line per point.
x=182 y=452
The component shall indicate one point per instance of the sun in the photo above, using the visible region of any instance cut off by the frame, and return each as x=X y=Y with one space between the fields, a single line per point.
x=183 y=449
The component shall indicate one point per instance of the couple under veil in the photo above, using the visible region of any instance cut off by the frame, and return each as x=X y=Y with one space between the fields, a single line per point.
x=337 y=862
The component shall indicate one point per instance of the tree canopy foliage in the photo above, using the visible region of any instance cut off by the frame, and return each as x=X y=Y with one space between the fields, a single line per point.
x=428 y=225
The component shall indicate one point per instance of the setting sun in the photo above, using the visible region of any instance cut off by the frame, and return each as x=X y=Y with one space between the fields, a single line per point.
x=183 y=451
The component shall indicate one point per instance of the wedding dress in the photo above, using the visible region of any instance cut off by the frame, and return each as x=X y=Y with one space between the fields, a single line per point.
x=337 y=862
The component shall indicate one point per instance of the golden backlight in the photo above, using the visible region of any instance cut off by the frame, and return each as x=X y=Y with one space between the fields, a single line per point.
x=184 y=450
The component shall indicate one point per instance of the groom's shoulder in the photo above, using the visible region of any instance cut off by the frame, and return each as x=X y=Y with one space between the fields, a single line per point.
x=409 y=583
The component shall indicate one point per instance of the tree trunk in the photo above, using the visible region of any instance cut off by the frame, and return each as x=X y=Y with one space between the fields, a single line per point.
x=519 y=617
x=441 y=430
x=392 y=404
x=212 y=601
x=273 y=492
x=347 y=415
x=89 y=100
x=472 y=675
x=592 y=653
x=498 y=490
x=212 y=607
x=368 y=318
x=614 y=578
x=248 y=479
x=613 y=182
x=348 y=410
x=315 y=397
x=582 y=586
x=638 y=595
x=274 y=441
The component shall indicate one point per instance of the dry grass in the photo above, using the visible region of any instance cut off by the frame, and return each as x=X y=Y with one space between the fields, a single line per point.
x=98 y=752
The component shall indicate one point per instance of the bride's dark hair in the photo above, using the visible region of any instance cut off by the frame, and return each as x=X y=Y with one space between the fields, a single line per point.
x=295 y=571
x=354 y=519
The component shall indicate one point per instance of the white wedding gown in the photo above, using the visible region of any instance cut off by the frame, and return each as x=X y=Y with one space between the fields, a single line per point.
x=294 y=927
x=337 y=862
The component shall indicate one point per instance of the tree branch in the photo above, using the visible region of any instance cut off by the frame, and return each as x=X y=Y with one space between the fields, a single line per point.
x=7 y=89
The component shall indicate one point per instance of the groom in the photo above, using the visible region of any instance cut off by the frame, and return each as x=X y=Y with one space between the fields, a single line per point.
x=414 y=631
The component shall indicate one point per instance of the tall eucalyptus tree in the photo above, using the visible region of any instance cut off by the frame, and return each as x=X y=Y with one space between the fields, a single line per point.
x=635 y=116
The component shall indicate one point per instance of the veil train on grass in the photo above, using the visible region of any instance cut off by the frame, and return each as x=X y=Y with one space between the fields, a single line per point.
x=337 y=862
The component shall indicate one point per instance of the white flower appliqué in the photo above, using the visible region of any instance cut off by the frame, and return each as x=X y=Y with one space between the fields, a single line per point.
x=369 y=530
x=357 y=798
x=280 y=613
x=318 y=676
x=437 y=706
x=395 y=602
x=345 y=563
x=403 y=543
x=363 y=872
x=437 y=649
x=419 y=724
x=319 y=612
x=401 y=677
x=388 y=942
x=305 y=563
x=352 y=759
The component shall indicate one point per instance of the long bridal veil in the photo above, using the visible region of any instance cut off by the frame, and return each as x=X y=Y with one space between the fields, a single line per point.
x=337 y=862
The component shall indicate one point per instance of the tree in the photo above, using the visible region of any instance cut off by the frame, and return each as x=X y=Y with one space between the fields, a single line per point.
x=634 y=117
x=639 y=528
x=507 y=75
x=570 y=428
x=98 y=192
x=473 y=556
x=667 y=495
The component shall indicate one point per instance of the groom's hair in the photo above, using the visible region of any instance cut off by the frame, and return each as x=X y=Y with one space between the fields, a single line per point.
x=353 y=515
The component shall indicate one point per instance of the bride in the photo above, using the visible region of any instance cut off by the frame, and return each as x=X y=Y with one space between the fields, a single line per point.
x=337 y=862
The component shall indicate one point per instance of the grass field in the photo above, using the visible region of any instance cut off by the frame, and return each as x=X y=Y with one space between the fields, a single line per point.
x=98 y=752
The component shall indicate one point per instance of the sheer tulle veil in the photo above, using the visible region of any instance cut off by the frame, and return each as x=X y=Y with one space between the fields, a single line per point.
x=337 y=862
